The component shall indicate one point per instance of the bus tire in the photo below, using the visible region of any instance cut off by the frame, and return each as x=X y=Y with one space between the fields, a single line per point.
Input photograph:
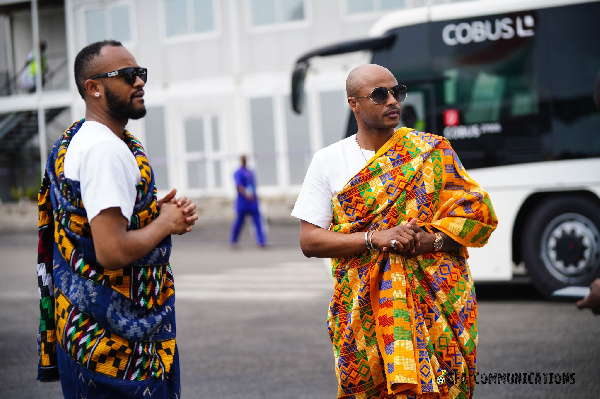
x=561 y=243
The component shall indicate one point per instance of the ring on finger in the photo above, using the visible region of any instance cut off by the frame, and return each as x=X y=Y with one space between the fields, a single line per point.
x=393 y=243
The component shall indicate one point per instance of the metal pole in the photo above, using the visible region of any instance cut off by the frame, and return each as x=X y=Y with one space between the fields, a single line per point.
x=35 y=30
x=12 y=69
x=71 y=50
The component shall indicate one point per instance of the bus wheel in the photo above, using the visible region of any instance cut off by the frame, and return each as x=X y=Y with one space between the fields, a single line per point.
x=561 y=244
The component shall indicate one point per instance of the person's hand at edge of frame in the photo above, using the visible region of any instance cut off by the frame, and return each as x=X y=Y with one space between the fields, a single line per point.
x=592 y=300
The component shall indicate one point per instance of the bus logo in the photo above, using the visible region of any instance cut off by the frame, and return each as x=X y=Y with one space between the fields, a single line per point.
x=473 y=131
x=451 y=117
x=480 y=31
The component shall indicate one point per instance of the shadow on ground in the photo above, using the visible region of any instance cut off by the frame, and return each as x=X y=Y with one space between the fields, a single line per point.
x=515 y=290
x=520 y=289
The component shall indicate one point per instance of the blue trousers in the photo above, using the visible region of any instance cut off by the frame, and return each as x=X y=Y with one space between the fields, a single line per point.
x=239 y=223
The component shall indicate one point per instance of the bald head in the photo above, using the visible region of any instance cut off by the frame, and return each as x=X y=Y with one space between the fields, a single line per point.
x=364 y=75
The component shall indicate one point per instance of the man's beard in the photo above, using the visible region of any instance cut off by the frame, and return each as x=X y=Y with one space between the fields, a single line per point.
x=378 y=122
x=123 y=109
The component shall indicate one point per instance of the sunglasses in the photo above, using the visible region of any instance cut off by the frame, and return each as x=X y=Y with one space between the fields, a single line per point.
x=130 y=74
x=380 y=95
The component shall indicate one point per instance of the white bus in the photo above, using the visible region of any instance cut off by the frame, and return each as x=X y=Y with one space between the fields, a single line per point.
x=510 y=84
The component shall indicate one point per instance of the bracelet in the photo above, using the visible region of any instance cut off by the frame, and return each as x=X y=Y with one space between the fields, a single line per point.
x=366 y=239
x=371 y=246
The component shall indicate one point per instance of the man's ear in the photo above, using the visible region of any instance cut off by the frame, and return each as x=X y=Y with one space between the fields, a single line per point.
x=352 y=103
x=92 y=87
x=354 y=107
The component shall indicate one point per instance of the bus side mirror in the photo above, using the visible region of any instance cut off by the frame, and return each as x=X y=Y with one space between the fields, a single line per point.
x=298 y=86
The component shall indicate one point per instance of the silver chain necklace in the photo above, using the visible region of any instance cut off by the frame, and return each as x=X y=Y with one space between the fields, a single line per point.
x=360 y=148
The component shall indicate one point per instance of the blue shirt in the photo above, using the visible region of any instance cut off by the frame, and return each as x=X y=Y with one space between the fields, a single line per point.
x=245 y=178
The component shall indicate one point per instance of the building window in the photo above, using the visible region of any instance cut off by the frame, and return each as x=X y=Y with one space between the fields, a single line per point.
x=186 y=17
x=156 y=145
x=362 y=6
x=333 y=126
x=269 y=12
x=263 y=140
x=298 y=143
x=110 y=22
x=204 y=152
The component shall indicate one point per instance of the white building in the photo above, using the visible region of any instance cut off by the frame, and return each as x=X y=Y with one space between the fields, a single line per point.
x=218 y=86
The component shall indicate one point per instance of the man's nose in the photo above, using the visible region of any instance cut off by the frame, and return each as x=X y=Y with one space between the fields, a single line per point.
x=139 y=82
x=393 y=98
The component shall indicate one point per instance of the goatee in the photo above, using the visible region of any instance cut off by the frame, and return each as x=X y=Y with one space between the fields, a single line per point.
x=123 y=109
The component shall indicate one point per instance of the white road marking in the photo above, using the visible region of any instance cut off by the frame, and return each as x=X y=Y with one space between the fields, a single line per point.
x=287 y=281
x=284 y=281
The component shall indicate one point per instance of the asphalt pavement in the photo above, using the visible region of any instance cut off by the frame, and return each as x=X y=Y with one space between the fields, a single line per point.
x=251 y=324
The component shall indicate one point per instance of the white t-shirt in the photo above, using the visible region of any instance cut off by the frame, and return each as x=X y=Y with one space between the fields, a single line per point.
x=329 y=171
x=104 y=167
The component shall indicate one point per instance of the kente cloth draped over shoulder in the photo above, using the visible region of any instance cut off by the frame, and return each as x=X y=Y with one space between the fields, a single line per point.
x=407 y=327
x=114 y=328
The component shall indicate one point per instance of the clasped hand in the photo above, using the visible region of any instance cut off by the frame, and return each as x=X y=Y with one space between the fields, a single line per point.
x=180 y=212
x=410 y=239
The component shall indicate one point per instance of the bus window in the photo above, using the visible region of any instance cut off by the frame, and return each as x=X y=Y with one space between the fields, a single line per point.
x=575 y=55
x=491 y=87
x=480 y=95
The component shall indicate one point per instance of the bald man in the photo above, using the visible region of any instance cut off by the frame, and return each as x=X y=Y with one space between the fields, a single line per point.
x=107 y=325
x=395 y=210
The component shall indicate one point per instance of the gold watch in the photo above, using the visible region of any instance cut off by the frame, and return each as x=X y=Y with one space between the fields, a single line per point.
x=438 y=242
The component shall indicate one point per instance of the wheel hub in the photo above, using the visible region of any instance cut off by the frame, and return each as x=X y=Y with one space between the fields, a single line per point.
x=570 y=248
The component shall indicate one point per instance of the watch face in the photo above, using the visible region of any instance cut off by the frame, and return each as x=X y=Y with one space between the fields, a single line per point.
x=437 y=244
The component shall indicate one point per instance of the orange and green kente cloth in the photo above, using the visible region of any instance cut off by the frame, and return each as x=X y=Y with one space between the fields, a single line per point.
x=407 y=327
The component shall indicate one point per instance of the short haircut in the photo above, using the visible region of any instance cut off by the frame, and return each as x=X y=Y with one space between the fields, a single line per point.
x=84 y=62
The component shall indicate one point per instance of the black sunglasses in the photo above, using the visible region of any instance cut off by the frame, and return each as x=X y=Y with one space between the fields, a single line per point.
x=130 y=74
x=380 y=95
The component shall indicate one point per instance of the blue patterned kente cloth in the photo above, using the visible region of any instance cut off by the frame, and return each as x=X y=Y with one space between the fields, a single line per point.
x=104 y=333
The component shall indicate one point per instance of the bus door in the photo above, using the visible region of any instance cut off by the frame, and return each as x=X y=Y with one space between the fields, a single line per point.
x=417 y=109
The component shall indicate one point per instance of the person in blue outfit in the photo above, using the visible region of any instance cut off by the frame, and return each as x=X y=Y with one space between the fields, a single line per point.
x=246 y=203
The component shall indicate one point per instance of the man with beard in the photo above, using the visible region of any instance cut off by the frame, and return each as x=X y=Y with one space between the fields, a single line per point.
x=395 y=210
x=107 y=324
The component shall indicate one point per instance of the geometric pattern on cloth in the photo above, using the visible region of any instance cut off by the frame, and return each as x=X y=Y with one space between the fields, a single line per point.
x=147 y=283
x=46 y=340
x=137 y=282
x=106 y=353
x=407 y=327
